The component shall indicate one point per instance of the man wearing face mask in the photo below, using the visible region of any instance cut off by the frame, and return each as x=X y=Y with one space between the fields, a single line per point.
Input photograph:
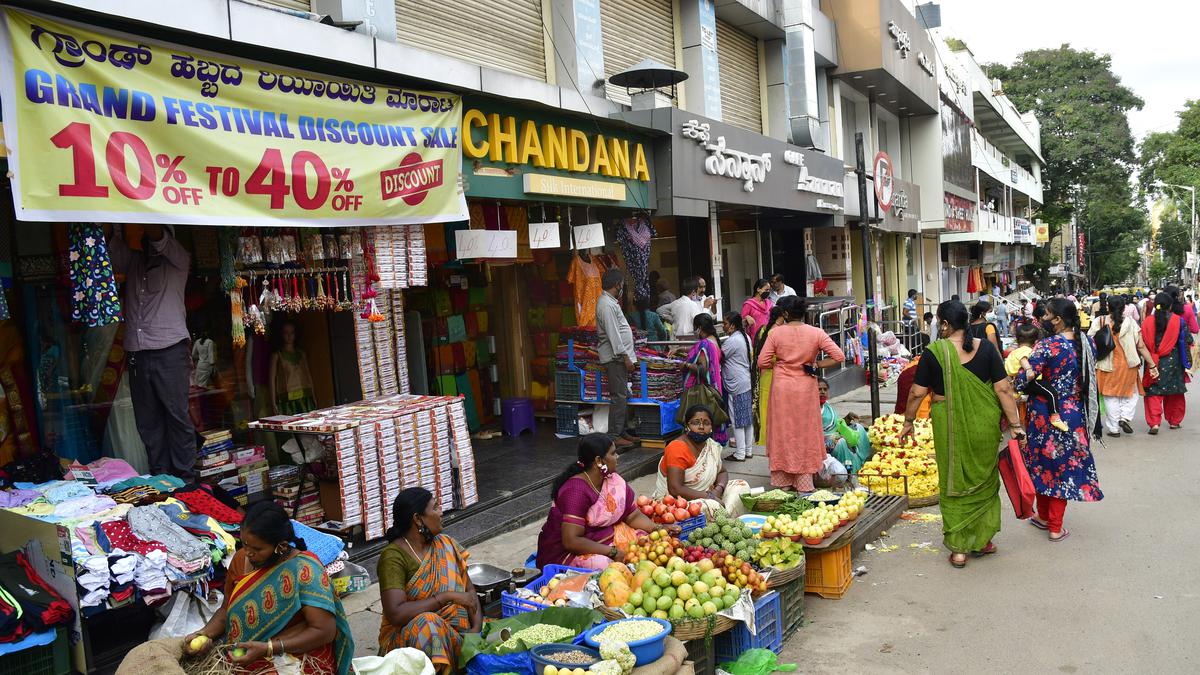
x=684 y=309
x=158 y=346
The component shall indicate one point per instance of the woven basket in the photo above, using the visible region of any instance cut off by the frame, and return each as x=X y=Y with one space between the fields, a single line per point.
x=761 y=505
x=918 y=502
x=700 y=629
x=611 y=613
x=782 y=577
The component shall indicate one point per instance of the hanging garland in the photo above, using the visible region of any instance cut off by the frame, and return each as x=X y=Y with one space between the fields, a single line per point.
x=371 y=308
x=226 y=244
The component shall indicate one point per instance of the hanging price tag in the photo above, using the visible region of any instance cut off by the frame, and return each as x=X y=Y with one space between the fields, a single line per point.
x=589 y=236
x=485 y=244
x=543 y=235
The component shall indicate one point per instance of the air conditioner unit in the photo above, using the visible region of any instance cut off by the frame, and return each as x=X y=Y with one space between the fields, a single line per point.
x=997 y=87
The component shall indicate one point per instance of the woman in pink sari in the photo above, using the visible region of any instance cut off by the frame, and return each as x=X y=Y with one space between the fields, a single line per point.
x=594 y=517
x=757 y=307
x=703 y=364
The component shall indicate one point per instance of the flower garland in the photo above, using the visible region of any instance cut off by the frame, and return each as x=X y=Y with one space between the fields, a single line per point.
x=370 y=308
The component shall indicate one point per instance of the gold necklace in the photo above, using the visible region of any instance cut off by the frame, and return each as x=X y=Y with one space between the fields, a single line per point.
x=412 y=550
x=589 y=480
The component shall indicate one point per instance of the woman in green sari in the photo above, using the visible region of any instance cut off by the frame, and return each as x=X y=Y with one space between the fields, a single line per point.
x=970 y=387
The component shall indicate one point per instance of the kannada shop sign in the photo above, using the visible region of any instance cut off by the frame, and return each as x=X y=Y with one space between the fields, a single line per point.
x=113 y=128
x=526 y=154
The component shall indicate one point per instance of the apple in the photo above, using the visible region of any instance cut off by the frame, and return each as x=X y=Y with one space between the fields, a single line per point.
x=647 y=509
x=693 y=509
x=680 y=514
x=668 y=500
x=659 y=509
x=668 y=518
x=643 y=500
x=681 y=503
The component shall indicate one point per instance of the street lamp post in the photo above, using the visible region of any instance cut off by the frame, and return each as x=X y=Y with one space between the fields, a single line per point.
x=1192 y=230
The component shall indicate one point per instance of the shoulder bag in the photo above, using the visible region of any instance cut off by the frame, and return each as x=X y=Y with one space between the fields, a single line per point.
x=702 y=392
x=1105 y=343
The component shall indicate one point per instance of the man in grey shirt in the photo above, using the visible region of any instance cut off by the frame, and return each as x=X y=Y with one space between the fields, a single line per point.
x=617 y=353
x=156 y=344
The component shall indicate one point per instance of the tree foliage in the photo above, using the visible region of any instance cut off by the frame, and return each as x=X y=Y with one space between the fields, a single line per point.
x=1088 y=147
x=1173 y=157
x=1160 y=272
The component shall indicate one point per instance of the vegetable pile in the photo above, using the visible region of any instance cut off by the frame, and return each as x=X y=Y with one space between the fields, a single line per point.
x=727 y=534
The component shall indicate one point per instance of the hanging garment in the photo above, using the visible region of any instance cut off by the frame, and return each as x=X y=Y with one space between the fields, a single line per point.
x=633 y=236
x=94 y=299
x=585 y=278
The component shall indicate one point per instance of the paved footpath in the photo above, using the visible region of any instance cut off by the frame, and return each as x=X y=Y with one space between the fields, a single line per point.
x=1122 y=594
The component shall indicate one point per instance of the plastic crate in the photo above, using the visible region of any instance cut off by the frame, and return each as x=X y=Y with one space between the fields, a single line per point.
x=51 y=659
x=568 y=385
x=566 y=419
x=700 y=653
x=791 y=602
x=828 y=573
x=656 y=421
x=690 y=525
x=768 y=624
x=511 y=605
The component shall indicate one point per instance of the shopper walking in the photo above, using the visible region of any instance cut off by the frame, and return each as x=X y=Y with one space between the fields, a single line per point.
x=1117 y=373
x=765 y=375
x=966 y=378
x=795 y=445
x=703 y=364
x=1060 y=462
x=757 y=307
x=617 y=354
x=738 y=377
x=1162 y=332
x=982 y=326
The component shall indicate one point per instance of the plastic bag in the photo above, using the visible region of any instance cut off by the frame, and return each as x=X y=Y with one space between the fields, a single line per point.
x=520 y=663
x=756 y=662
x=186 y=614
x=402 y=661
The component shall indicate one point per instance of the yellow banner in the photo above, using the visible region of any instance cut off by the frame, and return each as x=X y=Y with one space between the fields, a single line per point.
x=105 y=127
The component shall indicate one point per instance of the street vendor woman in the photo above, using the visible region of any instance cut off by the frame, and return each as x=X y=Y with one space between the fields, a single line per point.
x=691 y=468
x=594 y=517
x=428 y=599
x=279 y=607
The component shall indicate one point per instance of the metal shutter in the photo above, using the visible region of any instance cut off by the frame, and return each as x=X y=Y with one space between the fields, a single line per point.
x=634 y=30
x=302 y=5
x=737 y=62
x=501 y=34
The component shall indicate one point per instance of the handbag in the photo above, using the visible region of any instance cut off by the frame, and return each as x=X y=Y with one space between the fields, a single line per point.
x=703 y=393
x=1016 y=479
x=1105 y=344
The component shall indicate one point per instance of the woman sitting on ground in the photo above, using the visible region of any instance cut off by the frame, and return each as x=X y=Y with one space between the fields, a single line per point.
x=594 y=517
x=429 y=601
x=279 y=604
x=845 y=439
x=691 y=468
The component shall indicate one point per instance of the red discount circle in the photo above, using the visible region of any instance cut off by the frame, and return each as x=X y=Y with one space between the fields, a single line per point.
x=412 y=180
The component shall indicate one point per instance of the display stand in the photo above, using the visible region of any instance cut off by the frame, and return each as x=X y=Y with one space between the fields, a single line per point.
x=654 y=425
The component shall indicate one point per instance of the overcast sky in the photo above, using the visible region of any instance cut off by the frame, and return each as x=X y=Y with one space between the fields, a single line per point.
x=1154 y=44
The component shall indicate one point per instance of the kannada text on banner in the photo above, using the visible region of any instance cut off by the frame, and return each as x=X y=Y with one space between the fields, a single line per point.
x=110 y=128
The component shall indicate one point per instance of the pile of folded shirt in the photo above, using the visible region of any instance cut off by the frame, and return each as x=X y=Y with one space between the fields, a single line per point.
x=27 y=603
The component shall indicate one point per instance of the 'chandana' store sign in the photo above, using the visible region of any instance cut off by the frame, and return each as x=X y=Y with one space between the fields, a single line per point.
x=531 y=155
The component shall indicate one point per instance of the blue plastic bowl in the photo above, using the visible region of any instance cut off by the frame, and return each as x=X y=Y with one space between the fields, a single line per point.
x=753 y=521
x=540 y=661
x=645 y=651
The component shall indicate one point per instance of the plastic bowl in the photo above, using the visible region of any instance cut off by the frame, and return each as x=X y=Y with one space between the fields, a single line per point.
x=645 y=651
x=753 y=521
x=540 y=661
x=836 y=498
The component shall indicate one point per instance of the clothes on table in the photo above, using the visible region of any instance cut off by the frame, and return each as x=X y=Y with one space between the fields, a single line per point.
x=150 y=523
x=105 y=471
x=161 y=482
x=117 y=535
x=17 y=497
x=325 y=546
x=41 y=607
x=200 y=500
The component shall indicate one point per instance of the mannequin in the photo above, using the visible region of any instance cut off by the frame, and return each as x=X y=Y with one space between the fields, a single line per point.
x=290 y=379
x=204 y=358
x=157 y=346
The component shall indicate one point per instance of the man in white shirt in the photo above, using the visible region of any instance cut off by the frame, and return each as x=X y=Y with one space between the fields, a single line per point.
x=684 y=309
x=780 y=289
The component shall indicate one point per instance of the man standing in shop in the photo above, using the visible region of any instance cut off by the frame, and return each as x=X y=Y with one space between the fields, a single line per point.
x=157 y=346
x=685 y=308
x=617 y=353
x=779 y=289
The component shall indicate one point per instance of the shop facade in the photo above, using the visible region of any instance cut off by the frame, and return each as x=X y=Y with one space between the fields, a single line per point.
x=255 y=225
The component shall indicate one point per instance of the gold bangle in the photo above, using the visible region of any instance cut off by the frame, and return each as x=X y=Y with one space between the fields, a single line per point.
x=270 y=649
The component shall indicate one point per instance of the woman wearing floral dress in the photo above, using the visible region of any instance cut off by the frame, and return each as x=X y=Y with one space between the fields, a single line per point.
x=1060 y=462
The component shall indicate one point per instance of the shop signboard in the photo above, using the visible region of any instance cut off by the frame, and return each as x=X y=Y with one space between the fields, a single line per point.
x=1042 y=233
x=115 y=128
x=1022 y=231
x=713 y=161
x=527 y=154
x=959 y=212
x=884 y=177
x=904 y=213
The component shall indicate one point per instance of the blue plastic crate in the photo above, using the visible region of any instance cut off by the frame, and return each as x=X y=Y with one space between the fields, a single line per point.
x=690 y=525
x=768 y=620
x=511 y=605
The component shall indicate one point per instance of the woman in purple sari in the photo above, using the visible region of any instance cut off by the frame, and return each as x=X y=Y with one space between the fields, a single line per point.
x=594 y=517
x=704 y=364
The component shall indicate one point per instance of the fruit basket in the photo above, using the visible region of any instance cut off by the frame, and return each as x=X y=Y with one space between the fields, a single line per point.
x=918 y=502
x=779 y=578
x=701 y=629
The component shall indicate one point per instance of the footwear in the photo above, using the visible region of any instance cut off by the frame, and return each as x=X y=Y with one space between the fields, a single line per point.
x=1061 y=535
x=1113 y=434
x=735 y=458
x=986 y=550
x=1153 y=431
x=1038 y=524
x=750 y=454
x=1126 y=426
x=1175 y=426
x=958 y=562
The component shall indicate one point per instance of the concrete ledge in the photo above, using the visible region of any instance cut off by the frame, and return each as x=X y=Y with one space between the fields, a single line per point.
x=418 y=63
x=262 y=27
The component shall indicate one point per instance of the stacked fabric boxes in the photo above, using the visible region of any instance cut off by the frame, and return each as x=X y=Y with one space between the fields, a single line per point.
x=214 y=460
x=417 y=270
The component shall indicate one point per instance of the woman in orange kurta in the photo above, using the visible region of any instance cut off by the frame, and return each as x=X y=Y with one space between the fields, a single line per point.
x=795 y=441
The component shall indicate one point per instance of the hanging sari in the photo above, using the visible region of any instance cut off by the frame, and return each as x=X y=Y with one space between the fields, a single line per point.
x=966 y=438
x=712 y=354
x=702 y=476
x=438 y=634
x=848 y=445
x=267 y=601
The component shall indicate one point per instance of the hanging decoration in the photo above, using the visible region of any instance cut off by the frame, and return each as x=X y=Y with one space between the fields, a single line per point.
x=238 y=311
x=633 y=236
x=94 y=298
x=370 y=307
x=226 y=244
